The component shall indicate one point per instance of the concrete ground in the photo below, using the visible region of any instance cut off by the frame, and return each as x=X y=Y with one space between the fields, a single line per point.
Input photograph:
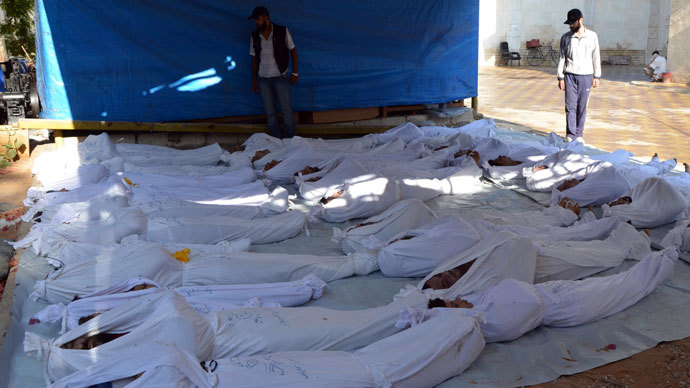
x=626 y=111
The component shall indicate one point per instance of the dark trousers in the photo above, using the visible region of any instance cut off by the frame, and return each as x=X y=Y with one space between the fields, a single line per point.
x=277 y=89
x=577 y=89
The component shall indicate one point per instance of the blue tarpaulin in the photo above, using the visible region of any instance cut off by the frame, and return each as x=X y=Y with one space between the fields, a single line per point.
x=173 y=60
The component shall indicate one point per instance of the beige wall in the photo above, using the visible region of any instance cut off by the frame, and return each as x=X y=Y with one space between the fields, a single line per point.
x=679 y=41
x=622 y=29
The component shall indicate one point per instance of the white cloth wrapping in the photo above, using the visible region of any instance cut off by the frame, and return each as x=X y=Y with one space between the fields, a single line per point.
x=490 y=148
x=96 y=148
x=512 y=308
x=600 y=187
x=151 y=261
x=431 y=245
x=150 y=155
x=597 y=229
x=181 y=208
x=38 y=199
x=424 y=355
x=204 y=299
x=507 y=310
x=406 y=132
x=161 y=316
x=260 y=141
x=570 y=260
x=259 y=330
x=212 y=229
x=353 y=145
x=576 y=303
x=333 y=178
x=173 y=182
x=57 y=161
x=99 y=208
x=654 y=203
x=502 y=256
x=254 y=193
x=528 y=156
x=678 y=237
x=45 y=238
x=449 y=181
x=76 y=252
x=561 y=165
x=72 y=179
x=363 y=196
x=300 y=158
x=404 y=215
x=550 y=216
x=129 y=168
x=616 y=157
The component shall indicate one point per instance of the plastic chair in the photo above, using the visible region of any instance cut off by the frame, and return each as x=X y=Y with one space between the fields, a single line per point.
x=507 y=55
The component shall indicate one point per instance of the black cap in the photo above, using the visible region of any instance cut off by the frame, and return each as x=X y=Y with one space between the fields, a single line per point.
x=573 y=16
x=258 y=11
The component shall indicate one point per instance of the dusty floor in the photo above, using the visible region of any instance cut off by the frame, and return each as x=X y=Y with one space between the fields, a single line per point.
x=624 y=112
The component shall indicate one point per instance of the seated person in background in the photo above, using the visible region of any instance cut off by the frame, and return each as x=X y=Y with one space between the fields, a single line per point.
x=656 y=67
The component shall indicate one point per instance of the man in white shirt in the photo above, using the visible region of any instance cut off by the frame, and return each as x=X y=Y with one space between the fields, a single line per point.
x=271 y=46
x=579 y=70
x=656 y=67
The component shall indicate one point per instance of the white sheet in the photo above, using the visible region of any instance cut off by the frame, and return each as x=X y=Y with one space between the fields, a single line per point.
x=502 y=256
x=424 y=355
x=654 y=203
x=403 y=215
x=572 y=260
x=431 y=245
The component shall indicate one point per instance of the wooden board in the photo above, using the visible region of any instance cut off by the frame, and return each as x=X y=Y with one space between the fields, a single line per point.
x=400 y=108
x=338 y=115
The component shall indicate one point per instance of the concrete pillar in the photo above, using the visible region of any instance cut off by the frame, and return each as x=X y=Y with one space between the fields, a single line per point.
x=678 y=38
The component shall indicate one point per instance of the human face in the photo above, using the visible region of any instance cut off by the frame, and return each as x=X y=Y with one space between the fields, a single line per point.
x=569 y=204
x=444 y=280
x=621 y=201
x=458 y=303
x=575 y=26
x=261 y=22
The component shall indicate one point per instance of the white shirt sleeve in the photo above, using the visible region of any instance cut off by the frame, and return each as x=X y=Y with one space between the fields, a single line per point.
x=251 y=46
x=596 y=58
x=288 y=39
x=560 y=73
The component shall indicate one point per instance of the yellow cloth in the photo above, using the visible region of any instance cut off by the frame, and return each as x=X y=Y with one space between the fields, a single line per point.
x=182 y=255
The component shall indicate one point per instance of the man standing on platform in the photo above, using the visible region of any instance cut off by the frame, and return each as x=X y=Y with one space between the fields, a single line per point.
x=271 y=46
x=579 y=70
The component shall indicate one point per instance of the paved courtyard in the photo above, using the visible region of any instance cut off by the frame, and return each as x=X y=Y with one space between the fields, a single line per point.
x=642 y=119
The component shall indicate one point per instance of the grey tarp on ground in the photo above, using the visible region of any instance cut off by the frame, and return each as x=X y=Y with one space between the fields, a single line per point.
x=537 y=357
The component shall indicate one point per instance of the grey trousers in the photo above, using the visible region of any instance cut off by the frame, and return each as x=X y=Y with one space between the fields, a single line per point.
x=577 y=88
x=277 y=90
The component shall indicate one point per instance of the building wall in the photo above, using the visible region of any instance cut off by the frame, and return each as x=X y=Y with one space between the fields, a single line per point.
x=621 y=30
x=679 y=36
